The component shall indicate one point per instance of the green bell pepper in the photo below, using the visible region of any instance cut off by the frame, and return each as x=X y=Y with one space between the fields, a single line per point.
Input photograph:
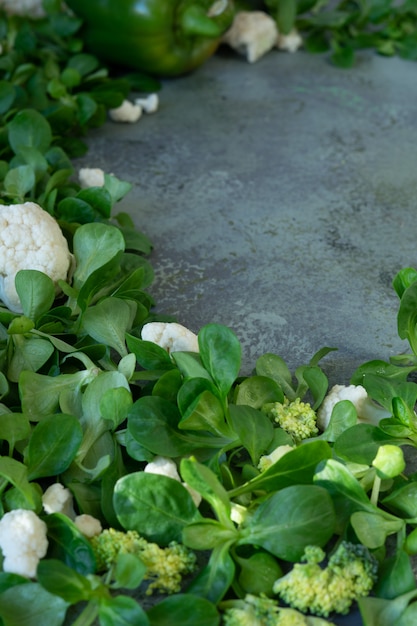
x=161 y=37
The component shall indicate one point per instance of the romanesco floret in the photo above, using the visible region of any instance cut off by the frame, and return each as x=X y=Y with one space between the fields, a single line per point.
x=165 y=566
x=297 y=418
x=350 y=573
x=263 y=611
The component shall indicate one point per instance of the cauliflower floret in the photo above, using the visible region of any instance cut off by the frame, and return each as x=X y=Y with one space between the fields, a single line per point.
x=126 y=112
x=58 y=499
x=23 y=542
x=269 y=459
x=149 y=104
x=29 y=8
x=167 y=467
x=171 y=336
x=367 y=410
x=252 y=34
x=91 y=177
x=290 y=42
x=164 y=467
x=88 y=525
x=30 y=238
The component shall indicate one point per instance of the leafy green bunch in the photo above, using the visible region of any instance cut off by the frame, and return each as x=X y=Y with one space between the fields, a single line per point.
x=343 y=27
x=51 y=94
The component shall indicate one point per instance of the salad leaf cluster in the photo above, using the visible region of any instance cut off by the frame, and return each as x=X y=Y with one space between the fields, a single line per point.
x=342 y=27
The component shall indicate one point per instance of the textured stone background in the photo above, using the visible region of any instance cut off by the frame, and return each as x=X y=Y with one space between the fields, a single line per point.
x=280 y=198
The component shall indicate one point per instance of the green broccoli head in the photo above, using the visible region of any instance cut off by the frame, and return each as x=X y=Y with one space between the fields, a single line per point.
x=263 y=611
x=165 y=566
x=297 y=418
x=350 y=574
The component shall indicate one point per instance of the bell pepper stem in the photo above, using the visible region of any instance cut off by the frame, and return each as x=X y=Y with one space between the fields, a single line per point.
x=194 y=21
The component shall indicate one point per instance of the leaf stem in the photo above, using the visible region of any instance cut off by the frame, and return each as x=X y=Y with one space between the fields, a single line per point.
x=88 y=615
x=375 y=490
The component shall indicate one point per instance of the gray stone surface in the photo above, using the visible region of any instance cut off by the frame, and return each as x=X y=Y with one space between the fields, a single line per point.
x=280 y=198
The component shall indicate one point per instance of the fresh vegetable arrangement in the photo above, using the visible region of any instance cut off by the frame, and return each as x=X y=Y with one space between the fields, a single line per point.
x=136 y=459
x=167 y=38
x=164 y=38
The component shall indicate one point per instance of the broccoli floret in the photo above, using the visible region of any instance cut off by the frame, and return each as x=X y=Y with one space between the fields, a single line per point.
x=263 y=611
x=297 y=418
x=350 y=573
x=165 y=566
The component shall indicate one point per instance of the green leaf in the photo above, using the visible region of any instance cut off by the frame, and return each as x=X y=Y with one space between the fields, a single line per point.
x=121 y=611
x=15 y=473
x=291 y=519
x=117 y=189
x=220 y=353
x=7 y=96
x=395 y=576
x=40 y=394
x=205 y=482
x=98 y=198
x=29 y=354
x=184 y=610
x=156 y=506
x=63 y=581
x=31 y=605
x=19 y=181
x=14 y=427
x=69 y=545
x=36 y=292
x=153 y=423
x=129 y=571
x=87 y=107
x=214 y=580
x=383 y=612
x=108 y=322
x=148 y=354
x=94 y=245
x=115 y=404
x=273 y=366
x=205 y=413
x=255 y=391
x=295 y=467
x=29 y=128
x=254 y=429
x=372 y=529
x=53 y=445
x=360 y=443
x=75 y=210
x=403 y=500
x=343 y=416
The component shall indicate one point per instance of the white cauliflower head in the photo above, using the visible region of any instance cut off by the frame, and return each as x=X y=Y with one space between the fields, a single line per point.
x=23 y=542
x=291 y=42
x=163 y=466
x=58 y=499
x=171 y=336
x=88 y=525
x=149 y=103
x=252 y=34
x=30 y=238
x=127 y=112
x=91 y=177
x=366 y=409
